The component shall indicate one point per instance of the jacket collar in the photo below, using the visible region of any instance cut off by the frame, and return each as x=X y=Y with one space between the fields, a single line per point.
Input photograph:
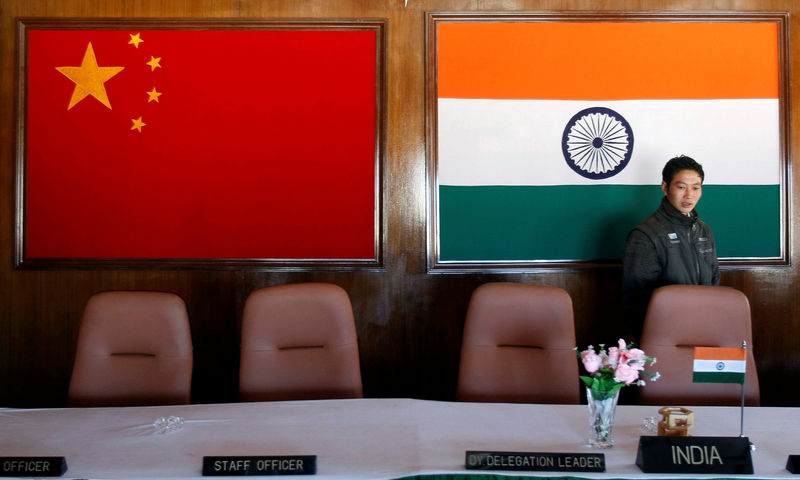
x=676 y=217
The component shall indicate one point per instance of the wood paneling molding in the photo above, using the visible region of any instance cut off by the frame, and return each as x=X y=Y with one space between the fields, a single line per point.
x=409 y=322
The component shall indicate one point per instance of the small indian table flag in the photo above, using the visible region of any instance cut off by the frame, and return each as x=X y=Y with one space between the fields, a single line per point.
x=719 y=365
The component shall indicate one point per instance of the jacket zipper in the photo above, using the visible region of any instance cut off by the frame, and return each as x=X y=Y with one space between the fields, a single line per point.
x=693 y=248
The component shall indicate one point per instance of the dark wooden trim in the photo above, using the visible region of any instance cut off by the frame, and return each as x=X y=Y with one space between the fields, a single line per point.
x=53 y=23
x=254 y=264
x=20 y=120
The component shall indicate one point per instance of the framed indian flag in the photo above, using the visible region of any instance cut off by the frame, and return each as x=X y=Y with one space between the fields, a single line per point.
x=547 y=133
x=200 y=143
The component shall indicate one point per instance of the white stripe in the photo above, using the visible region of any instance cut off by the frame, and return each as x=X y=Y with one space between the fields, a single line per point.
x=710 y=366
x=518 y=142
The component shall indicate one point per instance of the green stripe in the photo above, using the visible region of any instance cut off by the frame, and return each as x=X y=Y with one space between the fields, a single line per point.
x=718 y=377
x=577 y=222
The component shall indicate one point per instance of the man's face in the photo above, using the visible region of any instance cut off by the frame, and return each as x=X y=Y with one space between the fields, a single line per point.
x=684 y=191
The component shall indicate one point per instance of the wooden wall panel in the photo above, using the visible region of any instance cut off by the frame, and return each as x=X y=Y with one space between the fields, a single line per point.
x=409 y=322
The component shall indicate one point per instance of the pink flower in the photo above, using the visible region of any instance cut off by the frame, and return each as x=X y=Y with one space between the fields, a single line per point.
x=626 y=373
x=591 y=360
x=634 y=357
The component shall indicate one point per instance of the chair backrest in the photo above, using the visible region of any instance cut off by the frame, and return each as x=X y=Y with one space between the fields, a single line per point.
x=299 y=342
x=681 y=317
x=518 y=346
x=134 y=348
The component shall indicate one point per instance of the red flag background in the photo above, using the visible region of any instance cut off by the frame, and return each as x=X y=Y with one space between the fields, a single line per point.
x=261 y=144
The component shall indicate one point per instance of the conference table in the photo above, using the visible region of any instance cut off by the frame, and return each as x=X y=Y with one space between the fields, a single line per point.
x=366 y=438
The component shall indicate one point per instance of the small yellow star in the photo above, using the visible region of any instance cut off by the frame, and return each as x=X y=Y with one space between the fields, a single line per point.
x=135 y=40
x=137 y=124
x=89 y=78
x=153 y=95
x=154 y=62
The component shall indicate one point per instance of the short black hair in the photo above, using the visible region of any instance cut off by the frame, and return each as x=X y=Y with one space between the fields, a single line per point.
x=676 y=164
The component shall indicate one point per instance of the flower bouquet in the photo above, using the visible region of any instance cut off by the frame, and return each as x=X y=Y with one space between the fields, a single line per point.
x=609 y=371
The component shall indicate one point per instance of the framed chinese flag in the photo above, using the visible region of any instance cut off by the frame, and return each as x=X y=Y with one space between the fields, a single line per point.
x=214 y=143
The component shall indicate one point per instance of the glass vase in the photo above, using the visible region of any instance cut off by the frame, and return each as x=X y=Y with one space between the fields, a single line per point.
x=602 y=405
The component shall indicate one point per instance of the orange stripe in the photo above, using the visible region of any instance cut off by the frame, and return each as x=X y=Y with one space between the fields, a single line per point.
x=607 y=60
x=713 y=353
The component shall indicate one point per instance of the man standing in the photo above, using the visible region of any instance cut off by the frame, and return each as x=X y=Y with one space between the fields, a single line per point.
x=672 y=246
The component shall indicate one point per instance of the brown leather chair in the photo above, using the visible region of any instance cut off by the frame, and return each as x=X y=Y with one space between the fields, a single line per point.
x=518 y=346
x=134 y=348
x=299 y=342
x=681 y=317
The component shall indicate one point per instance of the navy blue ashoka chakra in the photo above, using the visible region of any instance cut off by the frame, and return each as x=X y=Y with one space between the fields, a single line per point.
x=597 y=143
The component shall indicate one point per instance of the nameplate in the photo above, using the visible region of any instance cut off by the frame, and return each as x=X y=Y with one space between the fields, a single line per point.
x=269 y=465
x=32 y=466
x=714 y=455
x=793 y=464
x=536 y=461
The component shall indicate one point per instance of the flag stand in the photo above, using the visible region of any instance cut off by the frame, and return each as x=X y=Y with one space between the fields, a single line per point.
x=753 y=446
x=723 y=365
x=741 y=418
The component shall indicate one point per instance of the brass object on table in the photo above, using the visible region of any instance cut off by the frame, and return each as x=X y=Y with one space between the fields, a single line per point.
x=675 y=422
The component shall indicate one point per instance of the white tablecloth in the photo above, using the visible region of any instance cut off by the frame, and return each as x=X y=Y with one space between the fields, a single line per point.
x=365 y=438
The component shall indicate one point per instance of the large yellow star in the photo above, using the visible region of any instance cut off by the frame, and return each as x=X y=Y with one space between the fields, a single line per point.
x=89 y=79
